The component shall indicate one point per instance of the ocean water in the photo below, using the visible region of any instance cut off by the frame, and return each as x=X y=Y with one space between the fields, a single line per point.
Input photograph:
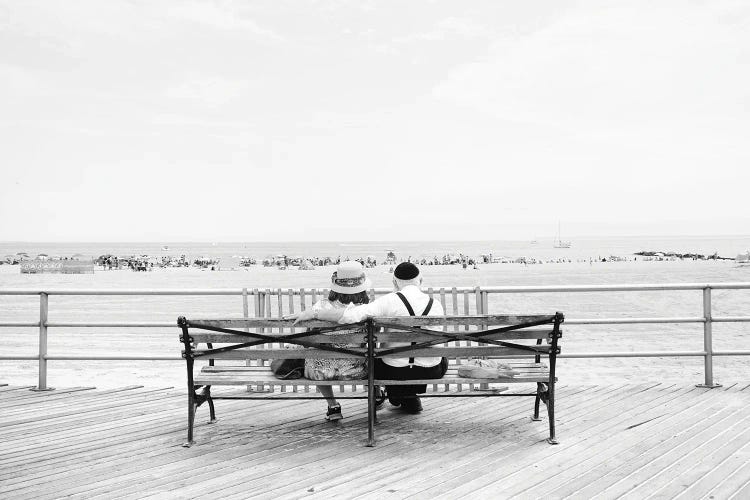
x=228 y=253
x=577 y=338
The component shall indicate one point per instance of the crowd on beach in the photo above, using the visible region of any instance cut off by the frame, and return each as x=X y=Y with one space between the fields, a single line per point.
x=283 y=261
x=147 y=263
x=651 y=255
x=150 y=262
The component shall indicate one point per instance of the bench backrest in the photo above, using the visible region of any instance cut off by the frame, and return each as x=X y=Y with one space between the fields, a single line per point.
x=453 y=336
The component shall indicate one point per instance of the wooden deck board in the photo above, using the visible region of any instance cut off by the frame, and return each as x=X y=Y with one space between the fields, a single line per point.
x=664 y=461
x=589 y=421
x=616 y=440
x=108 y=418
x=460 y=442
x=210 y=464
x=231 y=438
x=119 y=445
x=711 y=446
x=641 y=454
x=725 y=449
x=278 y=403
x=593 y=446
x=307 y=452
x=460 y=415
x=721 y=475
x=640 y=439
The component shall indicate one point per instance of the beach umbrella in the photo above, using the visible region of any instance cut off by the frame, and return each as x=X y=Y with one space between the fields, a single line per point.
x=22 y=254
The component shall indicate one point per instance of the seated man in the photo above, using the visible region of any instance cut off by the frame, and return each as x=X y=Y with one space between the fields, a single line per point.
x=407 y=300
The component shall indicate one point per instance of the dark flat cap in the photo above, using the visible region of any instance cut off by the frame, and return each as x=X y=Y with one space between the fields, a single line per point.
x=406 y=271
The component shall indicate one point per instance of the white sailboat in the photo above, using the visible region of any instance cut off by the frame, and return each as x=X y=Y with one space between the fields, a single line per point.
x=559 y=243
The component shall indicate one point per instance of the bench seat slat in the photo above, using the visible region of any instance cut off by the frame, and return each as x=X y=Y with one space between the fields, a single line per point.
x=452 y=352
x=355 y=338
x=247 y=353
x=239 y=375
x=458 y=320
x=520 y=366
x=463 y=380
x=264 y=370
x=216 y=379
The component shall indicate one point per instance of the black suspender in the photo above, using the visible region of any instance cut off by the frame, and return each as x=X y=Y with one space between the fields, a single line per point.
x=411 y=313
x=406 y=303
x=409 y=308
x=427 y=309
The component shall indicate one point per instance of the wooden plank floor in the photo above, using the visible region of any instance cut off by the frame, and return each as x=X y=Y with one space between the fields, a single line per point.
x=616 y=441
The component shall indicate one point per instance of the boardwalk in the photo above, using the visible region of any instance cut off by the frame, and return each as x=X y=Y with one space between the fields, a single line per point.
x=631 y=441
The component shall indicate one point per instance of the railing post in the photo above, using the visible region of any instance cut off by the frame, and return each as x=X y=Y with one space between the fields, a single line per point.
x=245 y=307
x=481 y=297
x=708 y=347
x=43 y=314
x=246 y=315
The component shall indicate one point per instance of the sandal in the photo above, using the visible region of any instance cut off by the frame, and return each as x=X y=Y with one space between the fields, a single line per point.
x=379 y=397
x=334 y=413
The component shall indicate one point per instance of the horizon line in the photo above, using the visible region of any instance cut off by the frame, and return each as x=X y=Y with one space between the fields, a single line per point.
x=209 y=241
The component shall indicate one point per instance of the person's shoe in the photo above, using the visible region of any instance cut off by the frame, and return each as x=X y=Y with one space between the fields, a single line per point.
x=412 y=405
x=395 y=401
x=334 y=413
x=544 y=393
x=379 y=398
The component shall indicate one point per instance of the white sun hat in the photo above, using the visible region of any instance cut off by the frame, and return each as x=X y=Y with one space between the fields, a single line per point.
x=349 y=278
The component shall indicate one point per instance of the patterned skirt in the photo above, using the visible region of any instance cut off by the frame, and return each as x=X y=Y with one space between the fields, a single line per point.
x=336 y=368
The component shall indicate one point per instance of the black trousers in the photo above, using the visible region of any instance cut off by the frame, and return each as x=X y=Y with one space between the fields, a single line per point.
x=384 y=371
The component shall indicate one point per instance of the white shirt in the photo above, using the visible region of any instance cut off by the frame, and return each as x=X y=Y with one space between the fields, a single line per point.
x=391 y=305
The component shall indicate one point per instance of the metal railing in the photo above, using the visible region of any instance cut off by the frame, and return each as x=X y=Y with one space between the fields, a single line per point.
x=451 y=298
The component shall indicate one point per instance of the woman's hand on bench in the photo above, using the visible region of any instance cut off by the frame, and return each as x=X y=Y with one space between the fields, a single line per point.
x=332 y=315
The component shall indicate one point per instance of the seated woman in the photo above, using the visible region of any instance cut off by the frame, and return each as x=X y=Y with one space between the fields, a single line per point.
x=348 y=286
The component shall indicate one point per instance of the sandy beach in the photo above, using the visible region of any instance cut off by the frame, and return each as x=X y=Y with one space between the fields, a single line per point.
x=577 y=338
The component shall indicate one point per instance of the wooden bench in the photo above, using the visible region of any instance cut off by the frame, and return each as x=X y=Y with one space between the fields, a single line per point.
x=521 y=341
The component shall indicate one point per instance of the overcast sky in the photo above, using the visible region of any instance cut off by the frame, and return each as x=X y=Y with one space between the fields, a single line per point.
x=330 y=120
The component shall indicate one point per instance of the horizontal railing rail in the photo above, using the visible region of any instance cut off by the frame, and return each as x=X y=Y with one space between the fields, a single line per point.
x=460 y=299
x=296 y=291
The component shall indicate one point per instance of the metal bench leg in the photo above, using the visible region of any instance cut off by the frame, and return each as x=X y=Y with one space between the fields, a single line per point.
x=539 y=388
x=551 y=413
x=187 y=342
x=538 y=398
x=207 y=392
x=371 y=414
x=551 y=386
x=191 y=418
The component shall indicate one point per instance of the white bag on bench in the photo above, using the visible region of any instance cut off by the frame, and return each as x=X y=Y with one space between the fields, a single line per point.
x=485 y=368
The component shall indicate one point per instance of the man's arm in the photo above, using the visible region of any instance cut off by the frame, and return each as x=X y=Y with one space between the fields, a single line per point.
x=353 y=314
x=378 y=307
